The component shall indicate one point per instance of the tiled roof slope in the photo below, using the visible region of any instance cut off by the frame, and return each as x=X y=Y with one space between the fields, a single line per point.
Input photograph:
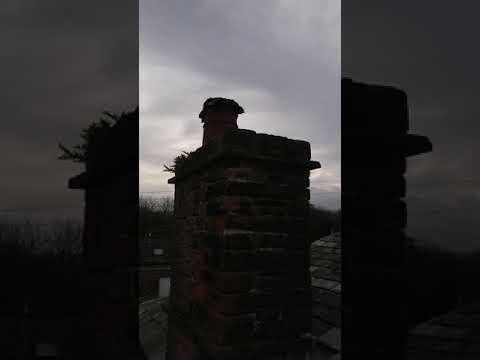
x=325 y=263
x=325 y=268
x=153 y=316
x=453 y=335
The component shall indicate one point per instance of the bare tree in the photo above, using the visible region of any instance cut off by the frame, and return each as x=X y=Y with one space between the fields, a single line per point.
x=60 y=237
x=155 y=212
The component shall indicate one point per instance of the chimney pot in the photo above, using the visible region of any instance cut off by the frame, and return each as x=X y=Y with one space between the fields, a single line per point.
x=218 y=116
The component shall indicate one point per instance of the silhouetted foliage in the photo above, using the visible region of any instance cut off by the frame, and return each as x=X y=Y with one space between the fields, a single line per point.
x=177 y=162
x=111 y=130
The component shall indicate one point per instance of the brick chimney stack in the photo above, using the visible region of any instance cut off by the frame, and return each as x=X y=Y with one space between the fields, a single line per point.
x=241 y=280
x=375 y=146
x=219 y=115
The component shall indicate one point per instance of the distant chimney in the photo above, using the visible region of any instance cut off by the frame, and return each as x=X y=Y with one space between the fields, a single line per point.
x=218 y=116
x=375 y=147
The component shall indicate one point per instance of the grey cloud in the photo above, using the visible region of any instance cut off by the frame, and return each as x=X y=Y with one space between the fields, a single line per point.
x=65 y=63
x=280 y=60
x=426 y=49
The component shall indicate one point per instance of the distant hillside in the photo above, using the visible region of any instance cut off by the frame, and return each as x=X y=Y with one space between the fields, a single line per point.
x=432 y=280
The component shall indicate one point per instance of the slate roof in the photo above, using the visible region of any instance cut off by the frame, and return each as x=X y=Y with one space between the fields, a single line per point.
x=326 y=263
x=453 y=335
x=325 y=267
x=153 y=316
x=326 y=296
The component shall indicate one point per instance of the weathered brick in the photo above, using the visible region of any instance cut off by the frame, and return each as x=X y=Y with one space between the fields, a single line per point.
x=210 y=240
x=272 y=146
x=228 y=260
x=377 y=246
x=267 y=223
x=240 y=138
x=278 y=283
x=259 y=350
x=269 y=240
x=230 y=329
x=243 y=173
x=239 y=240
x=386 y=186
x=367 y=108
x=257 y=189
x=298 y=242
x=298 y=150
x=182 y=347
x=238 y=303
x=215 y=224
x=380 y=214
x=281 y=261
x=242 y=204
x=291 y=298
x=230 y=282
x=245 y=205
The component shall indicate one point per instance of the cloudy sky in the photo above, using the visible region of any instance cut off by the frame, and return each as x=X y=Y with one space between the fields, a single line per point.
x=280 y=60
x=429 y=49
x=63 y=63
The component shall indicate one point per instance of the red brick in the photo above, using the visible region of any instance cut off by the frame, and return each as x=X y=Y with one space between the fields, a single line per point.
x=243 y=220
x=181 y=347
x=230 y=329
x=238 y=303
x=231 y=282
x=280 y=283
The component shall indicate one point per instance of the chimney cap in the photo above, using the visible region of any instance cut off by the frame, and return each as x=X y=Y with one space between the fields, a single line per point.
x=220 y=104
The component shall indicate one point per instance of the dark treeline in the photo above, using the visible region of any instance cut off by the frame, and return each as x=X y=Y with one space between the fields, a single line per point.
x=42 y=267
x=322 y=222
x=36 y=249
x=437 y=280
x=64 y=238
x=42 y=276
x=157 y=213
x=61 y=237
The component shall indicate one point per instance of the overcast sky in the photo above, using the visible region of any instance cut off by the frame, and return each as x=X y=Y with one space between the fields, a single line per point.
x=63 y=63
x=429 y=49
x=280 y=60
